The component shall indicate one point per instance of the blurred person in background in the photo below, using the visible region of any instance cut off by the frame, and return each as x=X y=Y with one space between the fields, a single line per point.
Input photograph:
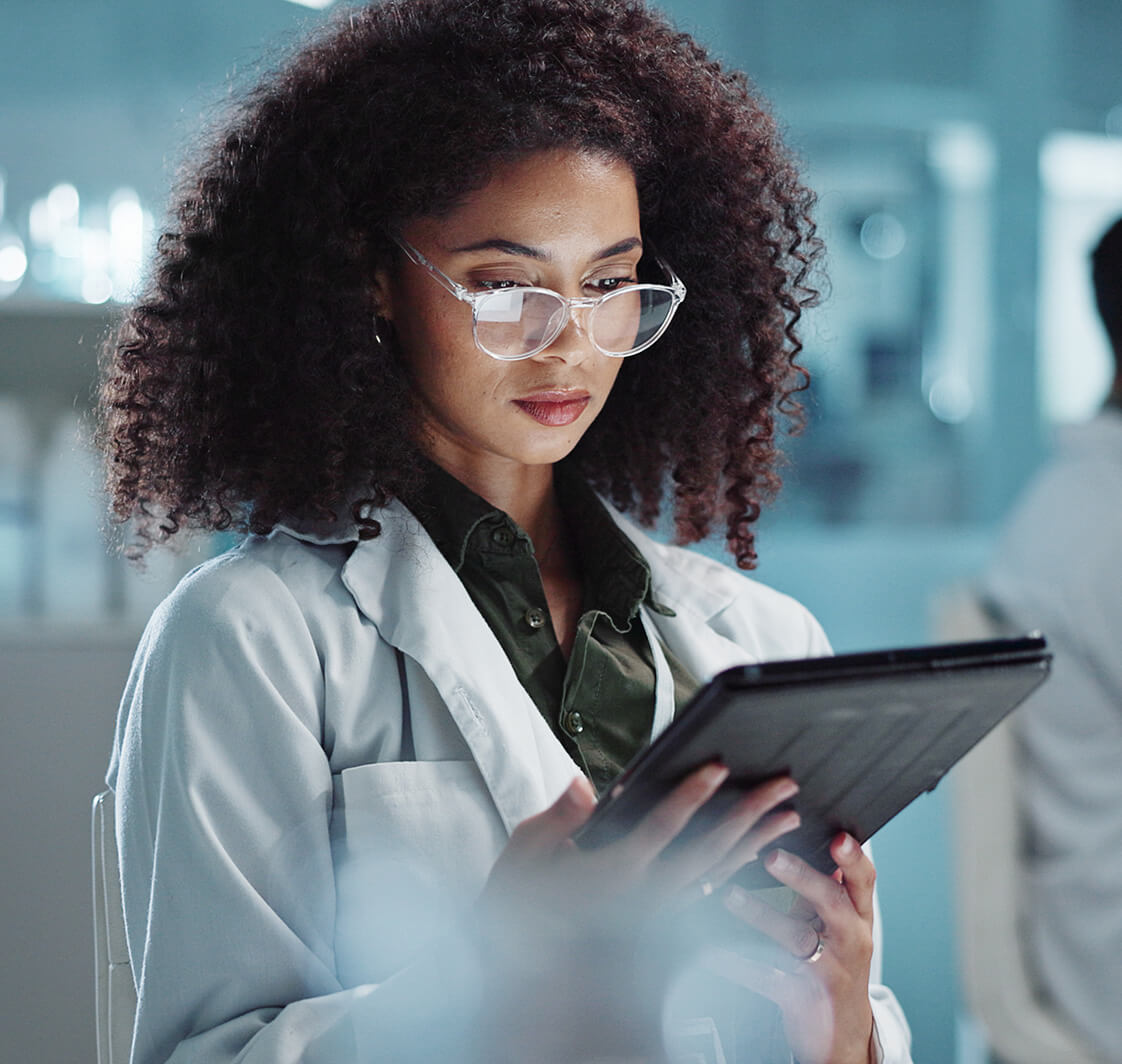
x=1057 y=568
x=418 y=329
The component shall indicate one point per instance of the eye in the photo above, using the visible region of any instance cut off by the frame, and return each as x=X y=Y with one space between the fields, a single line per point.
x=603 y=285
x=493 y=285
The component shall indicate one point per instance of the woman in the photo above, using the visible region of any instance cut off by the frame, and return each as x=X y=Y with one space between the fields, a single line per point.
x=424 y=308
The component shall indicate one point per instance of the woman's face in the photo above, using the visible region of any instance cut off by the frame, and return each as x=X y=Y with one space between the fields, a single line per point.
x=560 y=219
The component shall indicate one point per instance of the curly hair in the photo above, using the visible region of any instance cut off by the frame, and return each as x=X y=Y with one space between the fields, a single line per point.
x=246 y=384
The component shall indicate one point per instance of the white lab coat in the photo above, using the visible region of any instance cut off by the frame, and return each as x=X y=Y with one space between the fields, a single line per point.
x=292 y=887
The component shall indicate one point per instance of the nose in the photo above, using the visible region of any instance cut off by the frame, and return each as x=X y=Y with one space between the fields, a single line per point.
x=573 y=343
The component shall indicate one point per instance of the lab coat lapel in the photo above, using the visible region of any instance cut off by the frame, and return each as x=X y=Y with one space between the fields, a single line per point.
x=703 y=652
x=404 y=585
x=686 y=632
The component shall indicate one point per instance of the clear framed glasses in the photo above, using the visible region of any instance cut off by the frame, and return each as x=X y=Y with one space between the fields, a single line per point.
x=514 y=323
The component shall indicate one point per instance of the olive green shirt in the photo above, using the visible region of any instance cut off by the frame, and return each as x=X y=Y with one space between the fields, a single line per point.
x=599 y=703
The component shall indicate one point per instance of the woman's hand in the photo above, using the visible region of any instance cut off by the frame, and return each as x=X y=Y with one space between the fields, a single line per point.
x=559 y=926
x=576 y=883
x=823 y=992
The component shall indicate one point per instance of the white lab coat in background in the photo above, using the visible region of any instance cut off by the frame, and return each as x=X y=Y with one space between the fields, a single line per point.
x=291 y=887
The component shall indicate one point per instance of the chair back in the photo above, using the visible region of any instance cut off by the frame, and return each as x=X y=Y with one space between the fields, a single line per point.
x=1021 y=1026
x=114 y=988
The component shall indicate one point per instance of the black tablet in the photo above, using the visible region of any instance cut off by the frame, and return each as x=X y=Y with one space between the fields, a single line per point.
x=862 y=734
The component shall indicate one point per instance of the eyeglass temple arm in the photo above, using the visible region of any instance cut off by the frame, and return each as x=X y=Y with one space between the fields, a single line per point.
x=676 y=283
x=446 y=282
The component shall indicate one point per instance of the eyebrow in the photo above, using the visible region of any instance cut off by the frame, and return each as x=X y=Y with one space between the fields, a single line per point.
x=509 y=247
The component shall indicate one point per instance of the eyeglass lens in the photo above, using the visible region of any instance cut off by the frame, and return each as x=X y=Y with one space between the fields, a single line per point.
x=511 y=322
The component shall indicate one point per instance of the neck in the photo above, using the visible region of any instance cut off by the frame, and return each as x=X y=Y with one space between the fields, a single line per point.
x=525 y=492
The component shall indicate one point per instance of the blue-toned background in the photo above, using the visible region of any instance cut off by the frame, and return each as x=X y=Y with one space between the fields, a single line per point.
x=965 y=154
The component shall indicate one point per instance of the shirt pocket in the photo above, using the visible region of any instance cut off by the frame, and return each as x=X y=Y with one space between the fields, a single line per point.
x=413 y=843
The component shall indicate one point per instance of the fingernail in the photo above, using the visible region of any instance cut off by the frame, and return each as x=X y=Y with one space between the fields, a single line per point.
x=848 y=846
x=778 y=861
x=715 y=774
x=787 y=788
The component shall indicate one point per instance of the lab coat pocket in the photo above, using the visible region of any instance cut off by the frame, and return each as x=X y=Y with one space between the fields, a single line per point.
x=413 y=843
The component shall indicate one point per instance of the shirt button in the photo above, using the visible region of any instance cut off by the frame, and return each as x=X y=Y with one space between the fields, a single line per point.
x=574 y=723
x=503 y=537
x=534 y=617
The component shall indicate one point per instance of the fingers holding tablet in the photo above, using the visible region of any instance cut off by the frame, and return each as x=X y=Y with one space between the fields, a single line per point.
x=744 y=831
x=708 y=851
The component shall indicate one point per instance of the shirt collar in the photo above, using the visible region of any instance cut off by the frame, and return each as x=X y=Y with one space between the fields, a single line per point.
x=451 y=512
x=617 y=579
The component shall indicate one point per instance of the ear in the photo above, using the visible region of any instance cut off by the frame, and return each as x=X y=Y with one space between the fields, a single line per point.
x=382 y=291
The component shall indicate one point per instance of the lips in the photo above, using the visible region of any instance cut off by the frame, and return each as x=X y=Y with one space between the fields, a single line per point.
x=555 y=408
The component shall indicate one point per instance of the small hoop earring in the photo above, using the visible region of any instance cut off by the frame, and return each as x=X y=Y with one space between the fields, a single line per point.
x=377 y=333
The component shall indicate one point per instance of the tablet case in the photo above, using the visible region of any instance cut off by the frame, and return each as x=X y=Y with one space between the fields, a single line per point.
x=862 y=734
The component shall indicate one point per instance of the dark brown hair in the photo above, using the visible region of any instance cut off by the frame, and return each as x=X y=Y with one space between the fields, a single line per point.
x=1106 y=276
x=247 y=385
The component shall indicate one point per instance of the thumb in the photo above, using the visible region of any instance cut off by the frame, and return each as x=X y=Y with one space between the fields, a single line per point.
x=553 y=826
